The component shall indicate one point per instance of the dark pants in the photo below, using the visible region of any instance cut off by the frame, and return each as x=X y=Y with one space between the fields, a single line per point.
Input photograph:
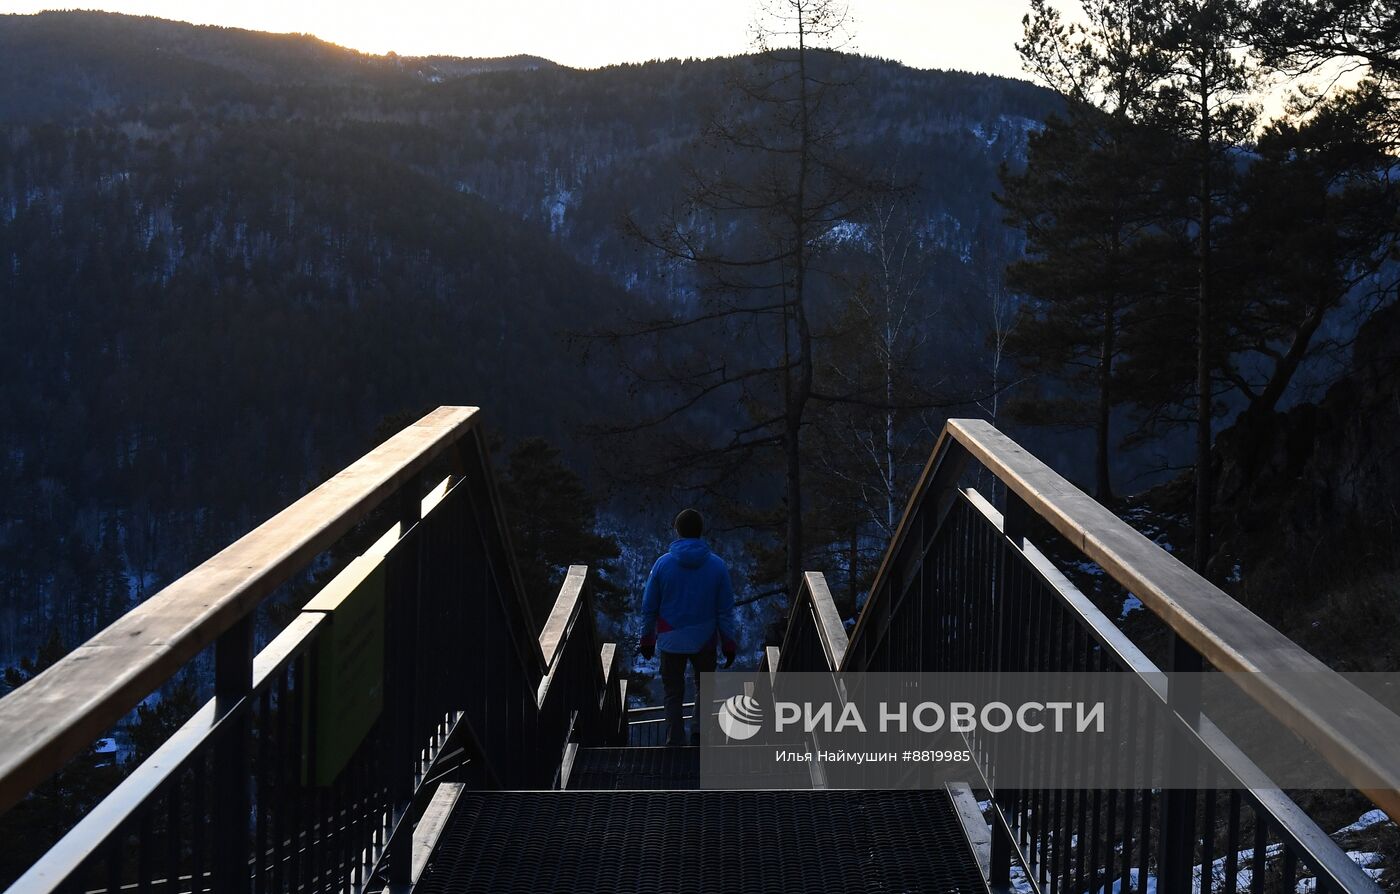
x=673 y=681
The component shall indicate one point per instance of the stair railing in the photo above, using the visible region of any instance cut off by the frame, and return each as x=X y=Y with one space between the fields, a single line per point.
x=293 y=777
x=969 y=575
x=815 y=639
x=574 y=697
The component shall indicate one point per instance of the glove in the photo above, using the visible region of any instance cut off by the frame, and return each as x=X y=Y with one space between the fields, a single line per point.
x=729 y=650
x=648 y=646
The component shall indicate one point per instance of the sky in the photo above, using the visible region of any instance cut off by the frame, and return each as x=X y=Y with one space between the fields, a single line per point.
x=972 y=35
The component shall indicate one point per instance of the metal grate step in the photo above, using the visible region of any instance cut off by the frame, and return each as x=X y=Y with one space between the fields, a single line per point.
x=635 y=769
x=667 y=769
x=657 y=842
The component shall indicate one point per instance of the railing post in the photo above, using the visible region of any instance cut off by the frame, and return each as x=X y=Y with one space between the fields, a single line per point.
x=1014 y=523
x=233 y=682
x=400 y=687
x=1178 y=817
x=999 y=874
x=1016 y=519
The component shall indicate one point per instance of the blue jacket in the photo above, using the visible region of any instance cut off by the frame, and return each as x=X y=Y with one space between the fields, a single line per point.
x=688 y=599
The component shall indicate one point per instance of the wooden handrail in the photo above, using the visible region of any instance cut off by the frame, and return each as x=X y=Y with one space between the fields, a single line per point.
x=570 y=606
x=829 y=626
x=1351 y=730
x=565 y=607
x=830 y=631
x=53 y=717
x=169 y=760
x=1290 y=822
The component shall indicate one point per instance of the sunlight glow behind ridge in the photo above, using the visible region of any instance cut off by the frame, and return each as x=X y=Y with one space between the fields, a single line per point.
x=589 y=33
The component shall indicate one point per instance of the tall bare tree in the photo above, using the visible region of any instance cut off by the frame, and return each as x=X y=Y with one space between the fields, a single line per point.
x=865 y=453
x=878 y=349
x=773 y=181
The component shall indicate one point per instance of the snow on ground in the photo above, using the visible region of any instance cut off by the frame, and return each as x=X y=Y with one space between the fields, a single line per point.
x=988 y=135
x=1365 y=821
x=557 y=205
x=847 y=231
x=1371 y=862
x=1011 y=128
x=1117 y=885
x=1019 y=882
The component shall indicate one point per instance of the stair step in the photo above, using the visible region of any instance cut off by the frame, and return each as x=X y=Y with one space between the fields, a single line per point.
x=752 y=842
x=635 y=769
x=669 y=769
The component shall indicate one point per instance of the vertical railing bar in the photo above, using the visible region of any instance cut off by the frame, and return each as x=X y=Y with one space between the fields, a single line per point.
x=1232 y=843
x=233 y=682
x=116 y=851
x=1058 y=818
x=1129 y=796
x=320 y=845
x=144 y=858
x=1068 y=659
x=1110 y=821
x=1052 y=819
x=1085 y=847
x=263 y=777
x=345 y=833
x=174 y=830
x=1290 y=870
x=400 y=689
x=302 y=867
x=199 y=823
x=355 y=821
x=1146 y=809
x=967 y=557
x=1009 y=606
x=1029 y=602
x=280 y=807
x=1027 y=593
x=1208 y=832
x=1040 y=646
x=1178 y=805
x=1261 y=848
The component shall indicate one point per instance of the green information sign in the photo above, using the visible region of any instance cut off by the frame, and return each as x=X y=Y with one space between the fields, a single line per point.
x=349 y=671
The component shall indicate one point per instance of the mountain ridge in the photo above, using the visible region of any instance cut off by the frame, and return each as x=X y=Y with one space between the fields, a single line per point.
x=156 y=27
x=227 y=261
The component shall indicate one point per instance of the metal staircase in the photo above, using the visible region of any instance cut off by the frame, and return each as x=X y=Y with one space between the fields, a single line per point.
x=414 y=728
x=669 y=841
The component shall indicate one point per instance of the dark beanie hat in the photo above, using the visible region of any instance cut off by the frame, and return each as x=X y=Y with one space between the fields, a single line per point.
x=690 y=523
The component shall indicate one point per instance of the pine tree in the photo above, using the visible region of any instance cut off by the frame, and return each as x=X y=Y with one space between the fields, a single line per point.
x=1301 y=39
x=554 y=524
x=1202 y=104
x=1313 y=225
x=1085 y=202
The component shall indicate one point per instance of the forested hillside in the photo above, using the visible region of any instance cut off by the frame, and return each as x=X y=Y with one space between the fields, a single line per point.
x=227 y=256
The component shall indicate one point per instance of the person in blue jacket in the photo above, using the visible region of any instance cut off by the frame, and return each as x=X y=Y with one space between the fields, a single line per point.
x=687 y=608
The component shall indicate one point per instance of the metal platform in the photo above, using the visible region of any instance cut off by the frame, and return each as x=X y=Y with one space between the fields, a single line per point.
x=678 y=841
